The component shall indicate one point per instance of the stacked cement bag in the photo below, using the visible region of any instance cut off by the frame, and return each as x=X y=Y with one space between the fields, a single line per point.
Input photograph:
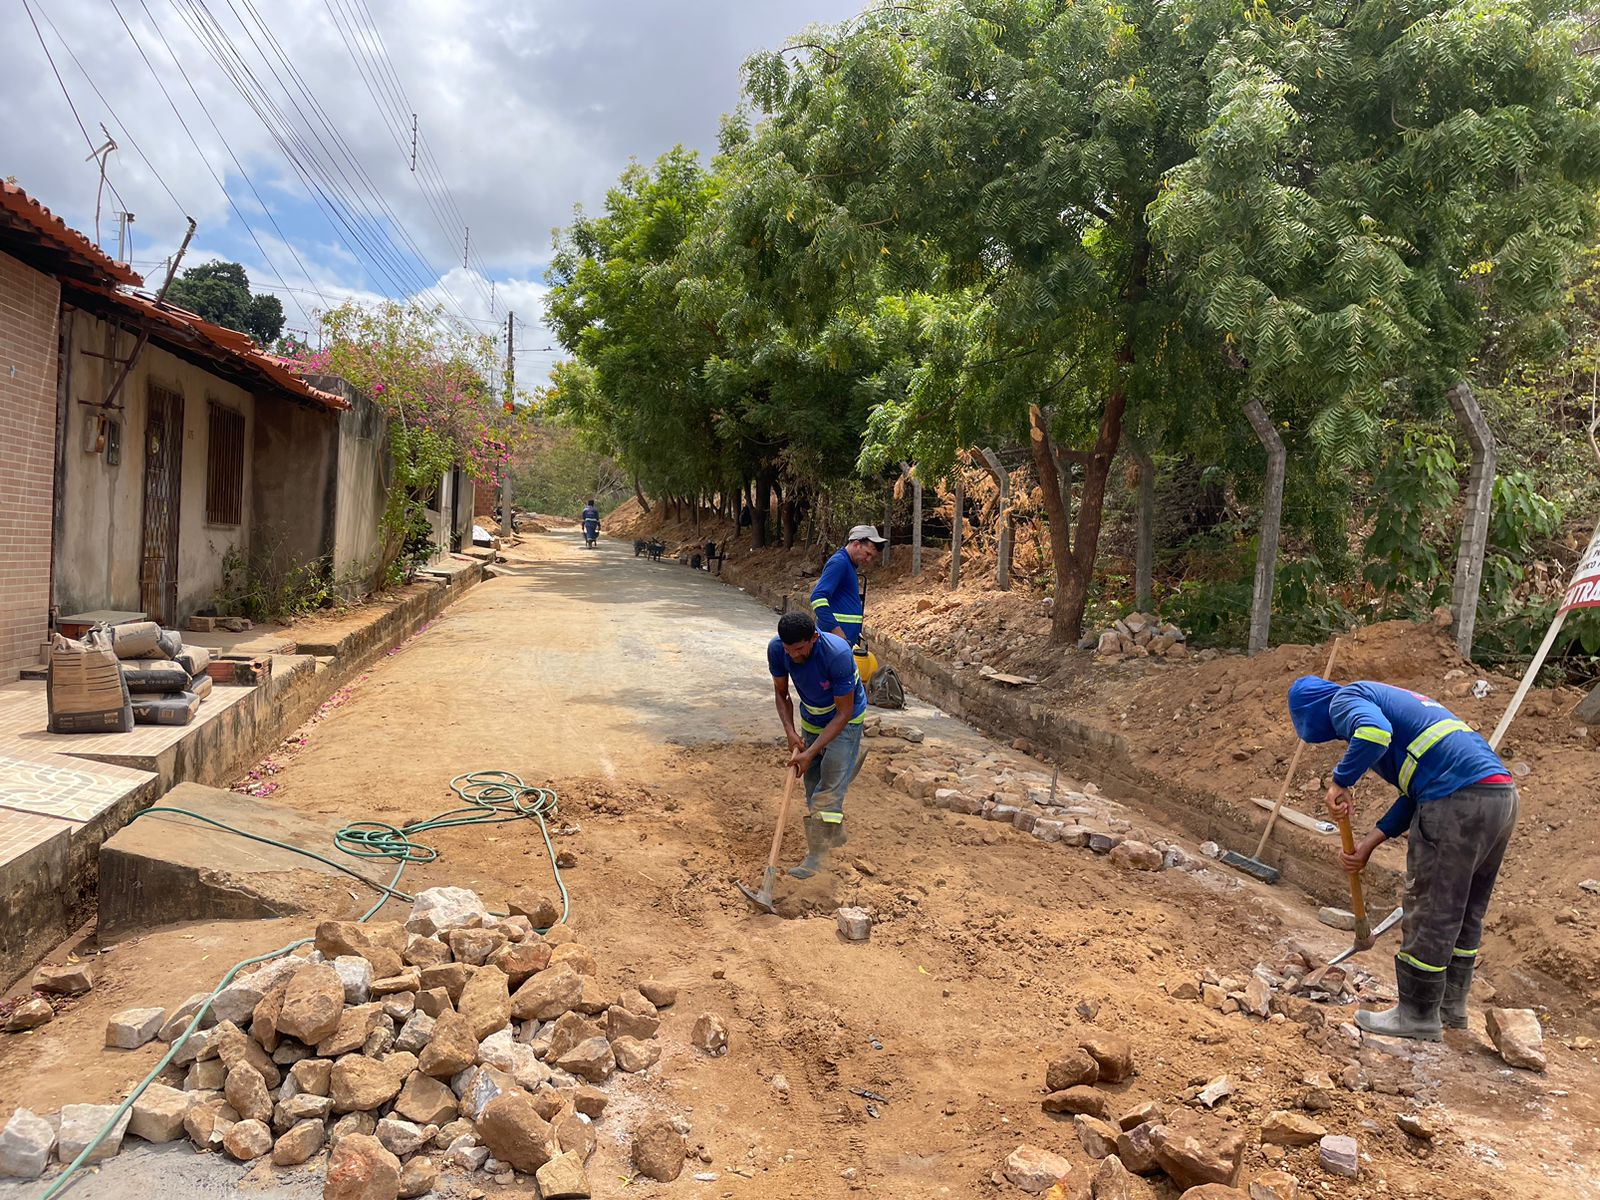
x=166 y=678
x=85 y=691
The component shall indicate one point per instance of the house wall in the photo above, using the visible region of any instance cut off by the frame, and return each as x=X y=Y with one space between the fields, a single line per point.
x=100 y=542
x=30 y=306
x=362 y=471
x=295 y=454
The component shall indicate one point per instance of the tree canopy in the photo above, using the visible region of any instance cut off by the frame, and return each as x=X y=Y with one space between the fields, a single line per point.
x=220 y=292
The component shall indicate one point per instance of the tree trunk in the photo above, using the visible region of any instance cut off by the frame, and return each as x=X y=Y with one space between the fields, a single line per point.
x=765 y=478
x=791 y=517
x=1073 y=551
x=1002 y=479
x=888 y=524
x=1271 y=521
x=1475 y=521
x=959 y=487
x=1144 y=546
x=639 y=496
x=916 y=524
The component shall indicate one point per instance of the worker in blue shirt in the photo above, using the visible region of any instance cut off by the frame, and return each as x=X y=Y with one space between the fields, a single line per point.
x=836 y=600
x=1458 y=806
x=591 y=523
x=833 y=706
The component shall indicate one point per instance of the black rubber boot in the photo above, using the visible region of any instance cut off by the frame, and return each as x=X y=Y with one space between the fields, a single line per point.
x=817 y=846
x=1417 y=1014
x=1457 y=983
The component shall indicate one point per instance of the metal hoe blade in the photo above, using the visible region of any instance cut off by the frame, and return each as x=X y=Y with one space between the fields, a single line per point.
x=763 y=898
x=1378 y=931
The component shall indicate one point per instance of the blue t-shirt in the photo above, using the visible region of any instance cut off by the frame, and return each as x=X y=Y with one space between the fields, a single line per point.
x=591 y=517
x=828 y=673
x=836 y=600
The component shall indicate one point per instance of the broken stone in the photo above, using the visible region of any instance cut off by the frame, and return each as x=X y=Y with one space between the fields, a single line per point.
x=466 y=1153
x=541 y=911
x=482 y=1088
x=1215 y=1092
x=1214 y=1191
x=1035 y=1170
x=1112 y=1181
x=25 y=1145
x=433 y=1001
x=658 y=1150
x=426 y=1101
x=298 y=1143
x=439 y=909
x=452 y=1048
x=304 y=1107
x=418 y=1176
x=1283 y=1128
x=423 y=951
x=1075 y=1068
x=590 y=1101
x=246 y=1093
x=855 y=924
x=485 y=1002
x=361 y=1084
x=662 y=995
x=575 y=956
x=1135 y=1150
x=356 y=975
x=503 y=1051
x=1275 y=1185
x=207 y=1121
x=568 y=1031
x=81 y=1124
x=362 y=1123
x=622 y=1023
x=179 y=1020
x=1339 y=1155
x=634 y=1056
x=590 y=1059
x=1258 y=996
x=474 y=946
x=1098 y=1137
x=548 y=994
x=30 y=1014
x=1337 y=918
x=1202 y=1150
x=563 y=1178
x=1103 y=843
x=1137 y=856
x=399 y=1006
x=1183 y=988
x=1145 y=1112
x=133 y=1027
x=1112 y=1052
x=408 y=980
x=520 y=960
x=312 y=1005
x=1085 y=1100
x=207 y=1076
x=312 y=1075
x=1517 y=1036
x=361 y=1169
x=400 y=1137
x=65 y=979
x=708 y=1035
x=157 y=1115
x=247 y=1140
x=1417 y=1125
x=512 y=1129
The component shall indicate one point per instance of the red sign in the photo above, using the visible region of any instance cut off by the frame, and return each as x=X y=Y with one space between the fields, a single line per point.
x=1584 y=590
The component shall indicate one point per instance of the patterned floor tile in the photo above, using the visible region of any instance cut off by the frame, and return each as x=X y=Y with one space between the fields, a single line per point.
x=66 y=788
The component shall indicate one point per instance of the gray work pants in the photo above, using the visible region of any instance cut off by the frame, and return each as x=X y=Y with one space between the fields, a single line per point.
x=1456 y=845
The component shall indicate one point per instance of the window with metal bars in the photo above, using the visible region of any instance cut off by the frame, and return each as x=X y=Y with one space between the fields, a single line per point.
x=225 y=466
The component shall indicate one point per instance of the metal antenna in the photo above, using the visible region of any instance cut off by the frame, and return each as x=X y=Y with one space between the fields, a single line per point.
x=103 y=153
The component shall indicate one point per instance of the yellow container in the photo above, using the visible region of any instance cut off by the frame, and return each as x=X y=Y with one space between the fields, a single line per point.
x=866 y=665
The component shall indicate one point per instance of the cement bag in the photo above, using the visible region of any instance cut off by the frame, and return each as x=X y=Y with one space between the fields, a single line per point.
x=194 y=659
x=135 y=640
x=85 y=690
x=167 y=646
x=165 y=710
x=155 y=675
x=201 y=686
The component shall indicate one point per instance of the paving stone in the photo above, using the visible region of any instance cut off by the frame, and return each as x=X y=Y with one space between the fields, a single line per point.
x=157 y=1115
x=25 y=1145
x=80 y=1123
x=855 y=924
x=133 y=1027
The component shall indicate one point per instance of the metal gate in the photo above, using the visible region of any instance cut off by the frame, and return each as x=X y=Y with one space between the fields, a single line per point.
x=163 y=470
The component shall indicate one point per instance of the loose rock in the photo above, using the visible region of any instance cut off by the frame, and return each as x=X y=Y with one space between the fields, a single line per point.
x=708 y=1035
x=133 y=1027
x=1339 y=1155
x=361 y=1169
x=1517 y=1036
x=1035 y=1170
x=485 y=1002
x=1072 y=1069
x=511 y=1127
x=302 y=1140
x=157 y=1115
x=563 y=1178
x=1114 y=1182
x=1202 y=1150
x=246 y=1093
x=634 y=1056
x=1417 y=1125
x=590 y=1059
x=1112 y=1052
x=400 y=1137
x=452 y=1048
x=313 y=1004
x=418 y=1176
x=1137 y=856
x=1275 y=1185
x=65 y=979
x=541 y=911
x=1135 y=1150
x=356 y=975
x=662 y=995
x=312 y=1075
x=247 y=1140
x=1337 y=918
x=474 y=946
x=445 y=908
x=1290 y=1129
x=855 y=924
x=1087 y=1101
x=25 y=1145
x=658 y=1150
x=548 y=994
x=1098 y=1138
x=81 y=1123
x=361 y=1084
x=30 y=1014
x=521 y=960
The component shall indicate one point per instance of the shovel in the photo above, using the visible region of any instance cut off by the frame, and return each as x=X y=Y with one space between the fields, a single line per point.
x=763 y=898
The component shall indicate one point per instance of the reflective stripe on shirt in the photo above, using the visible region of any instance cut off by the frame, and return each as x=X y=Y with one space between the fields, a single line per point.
x=1425 y=741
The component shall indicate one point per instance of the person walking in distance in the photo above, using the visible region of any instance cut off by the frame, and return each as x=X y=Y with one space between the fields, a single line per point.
x=823 y=748
x=836 y=600
x=591 y=523
x=1457 y=805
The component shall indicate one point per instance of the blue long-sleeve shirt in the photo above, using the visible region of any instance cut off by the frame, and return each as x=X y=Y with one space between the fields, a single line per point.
x=836 y=600
x=1411 y=741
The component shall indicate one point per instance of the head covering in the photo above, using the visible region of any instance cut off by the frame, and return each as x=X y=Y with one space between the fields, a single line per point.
x=1309 y=698
x=866 y=532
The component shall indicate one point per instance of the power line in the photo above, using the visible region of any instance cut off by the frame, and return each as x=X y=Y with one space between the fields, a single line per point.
x=193 y=141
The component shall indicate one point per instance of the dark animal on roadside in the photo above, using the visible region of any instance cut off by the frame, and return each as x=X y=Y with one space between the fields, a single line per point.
x=657 y=549
x=640 y=546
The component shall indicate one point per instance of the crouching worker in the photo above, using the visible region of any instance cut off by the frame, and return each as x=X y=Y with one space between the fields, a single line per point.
x=1458 y=805
x=824 y=748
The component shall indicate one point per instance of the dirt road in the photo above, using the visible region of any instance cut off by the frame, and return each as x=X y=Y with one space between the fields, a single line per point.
x=638 y=691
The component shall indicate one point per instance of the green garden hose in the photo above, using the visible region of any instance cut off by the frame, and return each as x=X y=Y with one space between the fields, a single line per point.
x=488 y=798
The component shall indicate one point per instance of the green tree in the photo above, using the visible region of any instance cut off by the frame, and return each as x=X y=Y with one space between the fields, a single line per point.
x=220 y=292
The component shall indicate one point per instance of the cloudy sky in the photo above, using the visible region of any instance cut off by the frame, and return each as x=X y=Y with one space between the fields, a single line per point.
x=284 y=129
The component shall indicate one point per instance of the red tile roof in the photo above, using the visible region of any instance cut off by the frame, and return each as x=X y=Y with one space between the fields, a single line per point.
x=231 y=349
x=59 y=240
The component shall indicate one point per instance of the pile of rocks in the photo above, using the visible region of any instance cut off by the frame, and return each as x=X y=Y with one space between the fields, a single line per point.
x=1131 y=1145
x=454 y=1039
x=1139 y=635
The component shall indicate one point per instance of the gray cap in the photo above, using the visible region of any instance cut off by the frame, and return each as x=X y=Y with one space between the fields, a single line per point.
x=867 y=532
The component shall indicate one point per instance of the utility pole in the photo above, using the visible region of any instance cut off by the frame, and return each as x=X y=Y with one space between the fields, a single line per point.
x=511 y=395
x=124 y=235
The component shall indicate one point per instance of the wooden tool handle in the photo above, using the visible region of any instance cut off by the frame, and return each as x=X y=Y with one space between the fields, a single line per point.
x=783 y=818
x=1294 y=764
x=1358 y=904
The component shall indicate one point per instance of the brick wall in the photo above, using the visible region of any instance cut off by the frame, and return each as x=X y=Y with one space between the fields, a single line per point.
x=30 y=307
